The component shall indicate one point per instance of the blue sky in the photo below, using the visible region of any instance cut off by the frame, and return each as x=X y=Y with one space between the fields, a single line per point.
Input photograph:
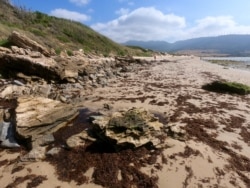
x=168 y=20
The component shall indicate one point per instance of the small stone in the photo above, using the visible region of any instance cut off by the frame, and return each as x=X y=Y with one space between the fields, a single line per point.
x=53 y=151
x=17 y=82
x=107 y=106
x=63 y=99
x=75 y=140
x=6 y=116
x=45 y=140
x=35 y=154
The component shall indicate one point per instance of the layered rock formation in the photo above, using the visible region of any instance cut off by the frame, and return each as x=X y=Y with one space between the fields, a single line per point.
x=37 y=117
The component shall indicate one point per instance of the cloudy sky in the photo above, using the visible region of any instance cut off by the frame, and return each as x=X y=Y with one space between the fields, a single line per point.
x=168 y=20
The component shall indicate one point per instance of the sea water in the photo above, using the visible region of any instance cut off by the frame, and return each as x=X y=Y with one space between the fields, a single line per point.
x=242 y=62
x=242 y=59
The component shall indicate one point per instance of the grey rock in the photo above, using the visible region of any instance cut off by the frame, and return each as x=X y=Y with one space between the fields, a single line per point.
x=44 y=140
x=45 y=90
x=17 y=82
x=7 y=137
x=53 y=151
x=92 y=76
x=35 y=154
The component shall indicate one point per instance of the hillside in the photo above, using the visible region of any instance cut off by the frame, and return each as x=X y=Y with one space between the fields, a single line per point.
x=232 y=45
x=56 y=33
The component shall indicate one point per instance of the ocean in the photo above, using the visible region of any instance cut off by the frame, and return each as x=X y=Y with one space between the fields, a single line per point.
x=233 y=62
x=241 y=59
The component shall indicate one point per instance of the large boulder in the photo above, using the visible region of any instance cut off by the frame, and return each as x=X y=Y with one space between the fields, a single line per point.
x=46 y=68
x=38 y=117
x=31 y=58
x=23 y=41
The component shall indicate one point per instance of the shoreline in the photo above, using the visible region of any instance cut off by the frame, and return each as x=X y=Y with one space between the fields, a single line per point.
x=229 y=62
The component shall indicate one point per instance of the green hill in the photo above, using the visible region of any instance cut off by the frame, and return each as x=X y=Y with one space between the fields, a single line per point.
x=59 y=34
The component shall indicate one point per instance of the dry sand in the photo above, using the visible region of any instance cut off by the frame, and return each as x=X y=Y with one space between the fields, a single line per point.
x=217 y=148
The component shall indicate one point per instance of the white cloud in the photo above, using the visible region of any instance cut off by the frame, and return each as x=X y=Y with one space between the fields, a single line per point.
x=80 y=2
x=122 y=11
x=142 y=24
x=71 y=15
x=152 y=24
x=214 y=26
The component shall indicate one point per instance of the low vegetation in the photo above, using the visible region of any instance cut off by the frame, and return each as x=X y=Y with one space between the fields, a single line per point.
x=58 y=33
x=227 y=87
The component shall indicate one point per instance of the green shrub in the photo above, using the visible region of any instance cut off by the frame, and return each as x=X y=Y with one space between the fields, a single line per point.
x=227 y=87
x=58 y=51
x=38 y=32
x=63 y=39
x=70 y=53
x=42 y=18
x=5 y=43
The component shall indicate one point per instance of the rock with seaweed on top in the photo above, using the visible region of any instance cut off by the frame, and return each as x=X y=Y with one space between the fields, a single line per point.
x=132 y=128
x=227 y=87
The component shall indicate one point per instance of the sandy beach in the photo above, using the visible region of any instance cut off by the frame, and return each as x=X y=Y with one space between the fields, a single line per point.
x=216 y=148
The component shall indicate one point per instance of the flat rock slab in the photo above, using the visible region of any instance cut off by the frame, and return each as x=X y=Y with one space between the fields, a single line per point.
x=38 y=116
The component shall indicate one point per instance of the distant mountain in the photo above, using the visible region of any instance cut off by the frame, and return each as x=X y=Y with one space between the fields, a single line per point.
x=233 y=45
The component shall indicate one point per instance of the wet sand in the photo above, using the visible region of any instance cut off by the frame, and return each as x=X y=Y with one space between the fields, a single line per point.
x=216 y=150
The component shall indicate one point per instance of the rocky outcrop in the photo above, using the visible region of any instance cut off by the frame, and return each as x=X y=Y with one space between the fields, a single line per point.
x=22 y=41
x=33 y=60
x=46 y=86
